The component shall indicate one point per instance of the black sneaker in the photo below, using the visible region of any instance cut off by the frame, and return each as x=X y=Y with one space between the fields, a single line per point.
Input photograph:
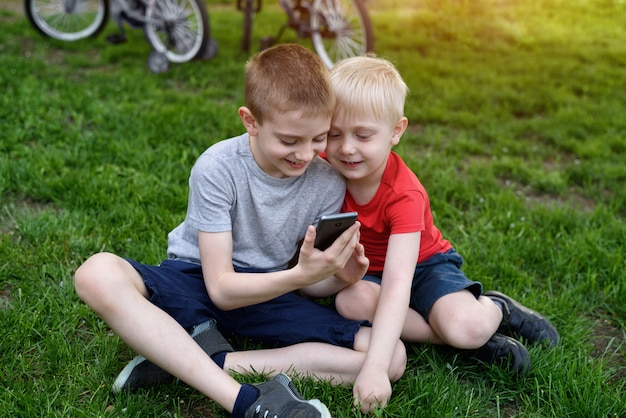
x=141 y=373
x=520 y=322
x=279 y=399
x=505 y=352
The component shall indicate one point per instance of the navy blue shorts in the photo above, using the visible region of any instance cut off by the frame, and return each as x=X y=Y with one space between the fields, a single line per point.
x=178 y=288
x=438 y=276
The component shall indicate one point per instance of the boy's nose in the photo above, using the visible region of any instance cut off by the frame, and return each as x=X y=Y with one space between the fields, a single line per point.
x=305 y=153
x=347 y=147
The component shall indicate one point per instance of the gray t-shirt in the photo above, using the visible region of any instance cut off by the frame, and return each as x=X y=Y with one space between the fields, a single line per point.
x=267 y=215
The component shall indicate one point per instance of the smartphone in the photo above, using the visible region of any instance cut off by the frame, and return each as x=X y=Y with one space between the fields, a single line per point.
x=331 y=226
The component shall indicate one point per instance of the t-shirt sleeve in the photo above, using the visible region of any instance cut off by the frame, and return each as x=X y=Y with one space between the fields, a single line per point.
x=406 y=213
x=211 y=196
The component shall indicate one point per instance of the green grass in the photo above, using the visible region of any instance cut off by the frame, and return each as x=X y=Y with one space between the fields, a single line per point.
x=517 y=129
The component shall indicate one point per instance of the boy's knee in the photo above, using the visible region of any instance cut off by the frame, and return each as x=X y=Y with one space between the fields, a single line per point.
x=363 y=308
x=468 y=332
x=398 y=362
x=398 y=359
x=460 y=321
x=89 y=277
x=343 y=306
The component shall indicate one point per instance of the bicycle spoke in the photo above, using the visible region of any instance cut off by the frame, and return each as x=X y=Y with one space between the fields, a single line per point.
x=67 y=20
x=340 y=29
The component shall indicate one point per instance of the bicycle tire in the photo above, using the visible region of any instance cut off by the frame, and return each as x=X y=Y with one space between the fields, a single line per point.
x=178 y=28
x=67 y=20
x=340 y=29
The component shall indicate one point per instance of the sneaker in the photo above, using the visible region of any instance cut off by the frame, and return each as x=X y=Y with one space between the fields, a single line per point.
x=141 y=373
x=520 y=322
x=279 y=399
x=505 y=352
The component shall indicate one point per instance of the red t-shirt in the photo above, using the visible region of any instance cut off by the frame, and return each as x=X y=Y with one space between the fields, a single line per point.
x=399 y=206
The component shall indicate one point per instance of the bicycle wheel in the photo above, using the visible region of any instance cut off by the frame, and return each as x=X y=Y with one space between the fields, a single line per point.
x=177 y=28
x=67 y=20
x=340 y=29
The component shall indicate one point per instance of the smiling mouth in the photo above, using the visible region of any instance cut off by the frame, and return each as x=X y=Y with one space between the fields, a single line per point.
x=295 y=164
x=351 y=164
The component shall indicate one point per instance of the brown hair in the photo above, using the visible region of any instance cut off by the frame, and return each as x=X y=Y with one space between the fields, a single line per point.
x=285 y=78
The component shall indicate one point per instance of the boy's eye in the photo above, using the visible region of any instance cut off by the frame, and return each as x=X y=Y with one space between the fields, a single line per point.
x=320 y=139
x=287 y=141
x=333 y=134
x=363 y=134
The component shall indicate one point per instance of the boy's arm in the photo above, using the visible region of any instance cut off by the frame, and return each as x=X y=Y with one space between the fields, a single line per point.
x=372 y=383
x=230 y=290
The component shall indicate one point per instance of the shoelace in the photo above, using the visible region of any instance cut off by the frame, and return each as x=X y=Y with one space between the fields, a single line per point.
x=266 y=414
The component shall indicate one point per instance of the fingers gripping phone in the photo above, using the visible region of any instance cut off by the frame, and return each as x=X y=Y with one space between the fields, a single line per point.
x=331 y=226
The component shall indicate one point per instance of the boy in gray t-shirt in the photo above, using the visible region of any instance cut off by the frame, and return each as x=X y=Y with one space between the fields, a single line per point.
x=262 y=217
x=266 y=215
x=252 y=198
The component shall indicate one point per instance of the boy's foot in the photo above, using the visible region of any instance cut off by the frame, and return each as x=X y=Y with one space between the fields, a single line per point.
x=506 y=352
x=520 y=322
x=141 y=373
x=279 y=398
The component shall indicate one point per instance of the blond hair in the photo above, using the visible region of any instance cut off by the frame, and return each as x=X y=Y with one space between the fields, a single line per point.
x=285 y=78
x=367 y=86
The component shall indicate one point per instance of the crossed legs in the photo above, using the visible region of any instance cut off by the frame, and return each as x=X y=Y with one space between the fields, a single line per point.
x=116 y=292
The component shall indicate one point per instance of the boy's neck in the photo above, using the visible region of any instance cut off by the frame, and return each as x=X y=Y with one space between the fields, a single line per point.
x=364 y=190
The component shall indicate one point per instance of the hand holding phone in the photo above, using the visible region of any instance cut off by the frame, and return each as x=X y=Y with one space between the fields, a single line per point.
x=331 y=226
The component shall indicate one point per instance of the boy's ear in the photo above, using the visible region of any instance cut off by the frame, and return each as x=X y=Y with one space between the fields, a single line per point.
x=399 y=129
x=248 y=120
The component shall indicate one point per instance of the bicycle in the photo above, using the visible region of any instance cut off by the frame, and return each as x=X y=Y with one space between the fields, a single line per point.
x=337 y=28
x=177 y=30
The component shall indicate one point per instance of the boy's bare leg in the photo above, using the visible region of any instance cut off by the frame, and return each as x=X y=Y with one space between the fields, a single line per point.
x=417 y=330
x=360 y=300
x=463 y=321
x=308 y=359
x=318 y=360
x=116 y=292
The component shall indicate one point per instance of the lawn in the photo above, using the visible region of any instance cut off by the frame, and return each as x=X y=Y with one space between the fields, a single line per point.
x=517 y=117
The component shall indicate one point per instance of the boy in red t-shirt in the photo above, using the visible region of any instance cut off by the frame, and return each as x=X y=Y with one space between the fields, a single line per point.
x=414 y=288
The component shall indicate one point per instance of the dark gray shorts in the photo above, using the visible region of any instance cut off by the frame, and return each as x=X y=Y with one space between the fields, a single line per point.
x=178 y=288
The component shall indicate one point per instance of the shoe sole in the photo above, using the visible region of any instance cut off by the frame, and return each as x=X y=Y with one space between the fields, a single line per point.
x=122 y=378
